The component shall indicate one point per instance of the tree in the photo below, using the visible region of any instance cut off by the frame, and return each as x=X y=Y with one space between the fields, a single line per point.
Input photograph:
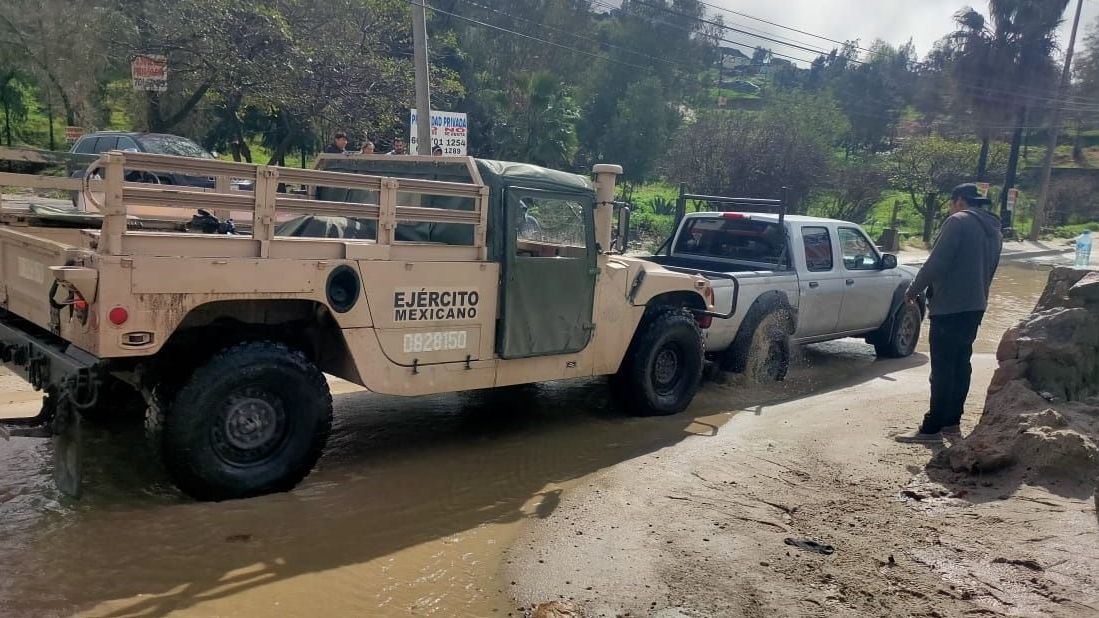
x=641 y=129
x=927 y=168
x=1003 y=64
x=789 y=144
x=541 y=123
x=854 y=188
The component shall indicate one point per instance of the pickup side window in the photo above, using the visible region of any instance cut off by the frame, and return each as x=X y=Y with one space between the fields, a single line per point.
x=818 y=249
x=858 y=252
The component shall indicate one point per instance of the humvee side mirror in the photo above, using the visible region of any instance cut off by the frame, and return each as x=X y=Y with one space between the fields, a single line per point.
x=623 y=239
x=888 y=261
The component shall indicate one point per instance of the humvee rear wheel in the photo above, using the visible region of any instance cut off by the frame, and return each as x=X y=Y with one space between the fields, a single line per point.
x=253 y=420
x=663 y=367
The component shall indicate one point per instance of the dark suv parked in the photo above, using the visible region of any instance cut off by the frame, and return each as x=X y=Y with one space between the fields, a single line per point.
x=90 y=146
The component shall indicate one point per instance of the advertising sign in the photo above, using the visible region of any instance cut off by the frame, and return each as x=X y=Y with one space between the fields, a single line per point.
x=73 y=133
x=150 y=73
x=449 y=131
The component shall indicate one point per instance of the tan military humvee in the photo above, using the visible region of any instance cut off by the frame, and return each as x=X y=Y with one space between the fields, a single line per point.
x=407 y=275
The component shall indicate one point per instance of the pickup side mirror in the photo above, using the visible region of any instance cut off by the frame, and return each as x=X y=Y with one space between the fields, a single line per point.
x=888 y=261
x=623 y=240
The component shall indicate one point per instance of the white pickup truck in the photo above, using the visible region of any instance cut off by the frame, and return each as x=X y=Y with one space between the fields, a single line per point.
x=793 y=280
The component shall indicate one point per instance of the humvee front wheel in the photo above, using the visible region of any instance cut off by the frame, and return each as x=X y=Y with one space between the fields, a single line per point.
x=663 y=367
x=253 y=420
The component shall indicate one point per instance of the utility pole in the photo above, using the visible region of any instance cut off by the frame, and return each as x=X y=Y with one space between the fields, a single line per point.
x=1054 y=129
x=423 y=83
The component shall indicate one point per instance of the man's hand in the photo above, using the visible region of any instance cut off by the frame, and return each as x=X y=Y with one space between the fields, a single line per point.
x=911 y=293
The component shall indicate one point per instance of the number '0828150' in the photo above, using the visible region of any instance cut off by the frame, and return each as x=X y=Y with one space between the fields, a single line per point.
x=435 y=342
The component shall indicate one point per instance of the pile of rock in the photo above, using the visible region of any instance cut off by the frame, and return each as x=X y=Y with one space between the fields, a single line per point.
x=1042 y=411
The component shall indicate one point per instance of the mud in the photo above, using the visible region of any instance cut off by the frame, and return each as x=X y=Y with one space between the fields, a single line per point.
x=1041 y=419
x=412 y=508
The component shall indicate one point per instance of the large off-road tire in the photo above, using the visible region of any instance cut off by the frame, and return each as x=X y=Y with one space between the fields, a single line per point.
x=765 y=355
x=663 y=367
x=252 y=420
x=905 y=334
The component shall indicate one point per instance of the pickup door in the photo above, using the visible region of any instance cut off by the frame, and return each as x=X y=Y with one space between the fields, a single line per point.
x=868 y=290
x=822 y=285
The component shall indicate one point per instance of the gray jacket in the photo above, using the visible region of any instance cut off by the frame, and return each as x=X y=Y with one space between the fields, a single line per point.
x=963 y=261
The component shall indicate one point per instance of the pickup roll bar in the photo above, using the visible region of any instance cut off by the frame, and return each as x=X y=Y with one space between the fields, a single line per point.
x=729 y=204
x=732 y=204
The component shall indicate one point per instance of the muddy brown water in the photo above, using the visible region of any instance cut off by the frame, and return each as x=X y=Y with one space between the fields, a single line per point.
x=408 y=513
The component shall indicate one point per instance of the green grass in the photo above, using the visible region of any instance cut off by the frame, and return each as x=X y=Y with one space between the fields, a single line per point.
x=1072 y=231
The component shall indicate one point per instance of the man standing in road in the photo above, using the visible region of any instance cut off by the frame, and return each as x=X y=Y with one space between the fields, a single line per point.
x=338 y=145
x=957 y=277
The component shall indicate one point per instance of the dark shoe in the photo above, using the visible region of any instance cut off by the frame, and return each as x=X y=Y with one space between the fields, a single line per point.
x=918 y=437
x=952 y=431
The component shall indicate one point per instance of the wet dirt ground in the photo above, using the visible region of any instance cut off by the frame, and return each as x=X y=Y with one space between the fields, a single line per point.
x=412 y=511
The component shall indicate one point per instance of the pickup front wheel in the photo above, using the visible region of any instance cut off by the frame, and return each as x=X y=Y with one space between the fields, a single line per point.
x=253 y=420
x=905 y=335
x=663 y=367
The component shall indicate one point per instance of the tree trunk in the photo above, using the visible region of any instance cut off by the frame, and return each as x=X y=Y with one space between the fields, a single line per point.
x=930 y=209
x=1012 y=170
x=982 y=160
x=7 y=121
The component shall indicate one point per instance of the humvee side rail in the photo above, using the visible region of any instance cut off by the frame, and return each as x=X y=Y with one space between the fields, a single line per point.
x=406 y=275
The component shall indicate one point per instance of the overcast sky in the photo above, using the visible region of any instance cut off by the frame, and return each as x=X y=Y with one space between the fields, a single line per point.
x=895 y=21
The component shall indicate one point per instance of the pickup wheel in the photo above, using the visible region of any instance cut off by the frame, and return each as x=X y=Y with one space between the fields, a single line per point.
x=906 y=334
x=253 y=420
x=765 y=355
x=663 y=368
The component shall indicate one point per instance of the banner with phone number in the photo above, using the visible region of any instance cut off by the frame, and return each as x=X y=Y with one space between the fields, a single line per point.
x=449 y=131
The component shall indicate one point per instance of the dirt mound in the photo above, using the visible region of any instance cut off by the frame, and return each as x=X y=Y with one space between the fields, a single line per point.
x=1042 y=411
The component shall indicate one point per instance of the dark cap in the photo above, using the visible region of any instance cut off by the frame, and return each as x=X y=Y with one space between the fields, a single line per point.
x=971 y=193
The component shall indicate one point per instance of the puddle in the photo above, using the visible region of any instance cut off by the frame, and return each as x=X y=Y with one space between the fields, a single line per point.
x=408 y=513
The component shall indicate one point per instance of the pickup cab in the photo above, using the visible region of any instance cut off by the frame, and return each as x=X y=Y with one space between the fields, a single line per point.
x=792 y=280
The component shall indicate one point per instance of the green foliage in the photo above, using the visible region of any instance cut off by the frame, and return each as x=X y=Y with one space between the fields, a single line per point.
x=927 y=168
x=661 y=205
x=789 y=144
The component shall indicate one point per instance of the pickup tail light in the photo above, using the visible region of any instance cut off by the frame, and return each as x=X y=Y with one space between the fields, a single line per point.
x=704 y=321
x=735 y=215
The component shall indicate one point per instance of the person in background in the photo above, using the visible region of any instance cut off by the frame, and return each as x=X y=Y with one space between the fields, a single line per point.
x=399 y=147
x=436 y=151
x=957 y=277
x=368 y=147
x=338 y=145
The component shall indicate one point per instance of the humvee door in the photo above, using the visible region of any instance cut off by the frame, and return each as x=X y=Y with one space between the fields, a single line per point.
x=549 y=271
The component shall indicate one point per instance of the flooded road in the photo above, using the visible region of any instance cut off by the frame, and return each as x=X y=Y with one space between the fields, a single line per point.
x=408 y=513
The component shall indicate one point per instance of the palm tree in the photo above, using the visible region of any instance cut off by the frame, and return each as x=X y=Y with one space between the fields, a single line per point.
x=1003 y=66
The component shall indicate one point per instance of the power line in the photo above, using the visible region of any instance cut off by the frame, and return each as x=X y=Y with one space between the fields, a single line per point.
x=731 y=29
x=527 y=36
x=689 y=31
x=790 y=28
x=574 y=35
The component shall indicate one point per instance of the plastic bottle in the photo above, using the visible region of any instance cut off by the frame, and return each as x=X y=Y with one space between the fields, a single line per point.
x=1083 y=249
